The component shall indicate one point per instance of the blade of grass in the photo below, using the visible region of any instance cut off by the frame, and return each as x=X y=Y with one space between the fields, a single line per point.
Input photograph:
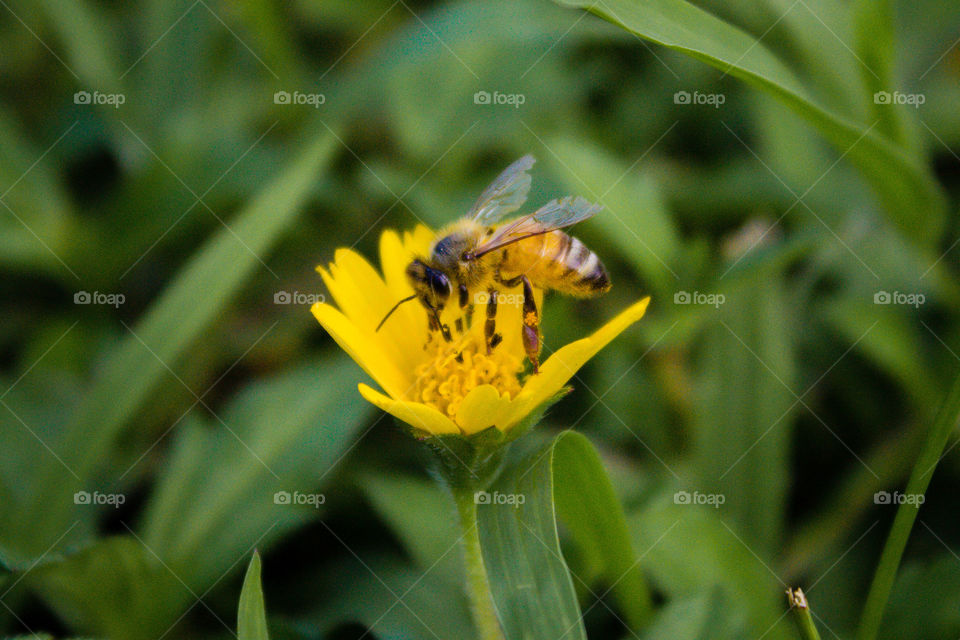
x=876 y=46
x=906 y=189
x=184 y=310
x=801 y=614
x=923 y=468
x=251 y=613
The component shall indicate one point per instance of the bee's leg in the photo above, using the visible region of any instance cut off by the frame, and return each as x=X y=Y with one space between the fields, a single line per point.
x=464 y=305
x=490 y=327
x=434 y=325
x=531 y=325
x=530 y=332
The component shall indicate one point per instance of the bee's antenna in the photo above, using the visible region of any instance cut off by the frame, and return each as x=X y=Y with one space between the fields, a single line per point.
x=394 y=308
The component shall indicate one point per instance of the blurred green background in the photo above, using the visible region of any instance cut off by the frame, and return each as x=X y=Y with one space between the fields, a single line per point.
x=172 y=171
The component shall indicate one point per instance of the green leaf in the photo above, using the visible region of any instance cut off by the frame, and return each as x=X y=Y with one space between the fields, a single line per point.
x=704 y=615
x=531 y=582
x=37 y=220
x=419 y=512
x=251 y=613
x=217 y=496
x=186 y=308
x=392 y=598
x=925 y=590
x=888 y=338
x=875 y=42
x=89 y=39
x=906 y=189
x=90 y=587
x=742 y=427
x=689 y=548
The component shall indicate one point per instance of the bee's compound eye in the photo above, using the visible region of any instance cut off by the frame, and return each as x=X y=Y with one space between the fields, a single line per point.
x=439 y=284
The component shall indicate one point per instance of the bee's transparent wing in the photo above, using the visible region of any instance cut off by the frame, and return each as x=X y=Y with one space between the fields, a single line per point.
x=556 y=214
x=505 y=195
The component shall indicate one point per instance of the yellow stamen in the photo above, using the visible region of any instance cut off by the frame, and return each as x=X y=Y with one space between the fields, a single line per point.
x=443 y=379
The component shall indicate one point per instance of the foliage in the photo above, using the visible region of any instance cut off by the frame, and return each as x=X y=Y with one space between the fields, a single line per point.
x=780 y=177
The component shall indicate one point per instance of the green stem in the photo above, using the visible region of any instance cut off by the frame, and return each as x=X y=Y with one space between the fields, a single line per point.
x=478 y=585
x=923 y=469
x=801 y=614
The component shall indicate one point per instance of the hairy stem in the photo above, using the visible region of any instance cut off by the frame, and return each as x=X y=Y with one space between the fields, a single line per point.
x=478 y=586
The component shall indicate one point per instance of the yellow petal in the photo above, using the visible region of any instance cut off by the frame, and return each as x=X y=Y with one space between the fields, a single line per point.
x=416 y=414
x=359 y=347
x=566 y=361
x=409 y=320
x=419 y=240
x=364 y=298
x=483 y=407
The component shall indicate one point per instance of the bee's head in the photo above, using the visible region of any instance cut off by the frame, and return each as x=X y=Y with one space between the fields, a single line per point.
x=432 y=286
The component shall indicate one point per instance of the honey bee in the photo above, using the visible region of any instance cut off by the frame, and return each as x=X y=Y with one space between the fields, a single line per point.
x=479 y=254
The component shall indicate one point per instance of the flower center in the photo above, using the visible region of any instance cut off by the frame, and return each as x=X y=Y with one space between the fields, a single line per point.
x=451 y=369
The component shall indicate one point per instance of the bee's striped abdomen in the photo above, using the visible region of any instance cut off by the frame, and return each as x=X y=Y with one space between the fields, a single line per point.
x=559 y=261
x=582 y=267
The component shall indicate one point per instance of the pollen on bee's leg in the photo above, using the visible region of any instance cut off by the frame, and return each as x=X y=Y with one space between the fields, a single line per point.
x=530 y=333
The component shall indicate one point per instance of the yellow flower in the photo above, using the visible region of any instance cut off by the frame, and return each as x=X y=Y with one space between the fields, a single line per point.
x=438 y=387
